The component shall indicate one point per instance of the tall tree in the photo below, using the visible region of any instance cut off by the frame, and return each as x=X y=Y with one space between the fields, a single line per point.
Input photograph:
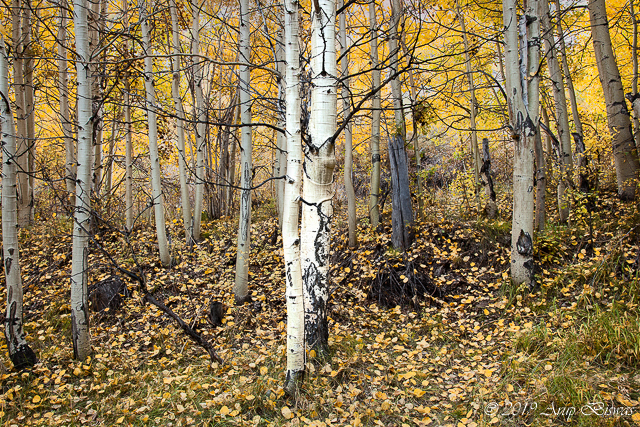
x=65 y=115
x=562 y=114
x=82 y=218
x=624 y=151
x=240 y=288
x=200 y=118
x=152 y=120
x=177 y=101
x=374 y=210
x=522 y=89
x=348 y=134
x=293 y=185
x=402 y=213
x=128 y=162
x=20 y=353
x=320 y=161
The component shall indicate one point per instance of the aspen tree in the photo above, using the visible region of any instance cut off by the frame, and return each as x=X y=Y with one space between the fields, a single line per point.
x=177 y=102
x=523 y=102
x=154 y=158
x=624 y=151
x=82 y=218
x=20 y=353
x=240 y=288
x=348 y=137
x=562 y=114
x=65 y=115
x=320 y=161
x=293 y=185
x=200 y=117
x=374 y=210
x=280 y=161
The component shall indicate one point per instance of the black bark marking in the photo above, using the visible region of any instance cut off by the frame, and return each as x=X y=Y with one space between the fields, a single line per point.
x=7 y=266
x=524 y=245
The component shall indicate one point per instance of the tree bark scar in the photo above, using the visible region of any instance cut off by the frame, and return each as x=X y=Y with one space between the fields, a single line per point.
x=7 y=265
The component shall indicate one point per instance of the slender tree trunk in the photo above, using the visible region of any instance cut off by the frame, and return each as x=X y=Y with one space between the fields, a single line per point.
x=232 y=167
x=96 y=24
x=128 y=162
x=634 y=80
x=18 y=38
x=280 y=164
x=624 y=150
x=109 y=160
x=154 y=158
x=200 y=126
x=82 y=220
x=562 y=115
x=293 y=185
x=65 y=115
x=177 y=102
x=472 y=107
x=20 y=353
x=374 y=210
x=320 y=161
x=348 y=134
x=240 y=288
x=29 y=103
x=541 y=184
x=402 y=214
x=524 y=126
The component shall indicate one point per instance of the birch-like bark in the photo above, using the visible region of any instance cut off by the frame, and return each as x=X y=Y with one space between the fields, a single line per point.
x=18 y=36
x=293 y=185
x=20 y=353
x=541 y=184
x=562 y=115
x=374 y=210
x=200 y=117
x=128 y=162
x=96 y=26
x=402 y=213
x=472 y=107
x=177 y=102
x=320 y=161
x=108 y=175
x=635 y=98
x=240 y=288
x=82 y=219
x=65 y=115
x=280 y=163
x=154 y=158
x=624 y=151
x=29 y=101
x=348 y=134
x=524 y=126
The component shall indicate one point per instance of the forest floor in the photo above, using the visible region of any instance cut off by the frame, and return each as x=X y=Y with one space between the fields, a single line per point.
x=434 y=337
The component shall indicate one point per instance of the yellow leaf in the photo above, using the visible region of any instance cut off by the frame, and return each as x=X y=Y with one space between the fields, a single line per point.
x=264 y=370
x=120 y=420
x=548 y=367
x=36 y=399
x=250 y=397
x=286 y=412
x=486 y=312
x=77 y=372
x=224 y=410
x=418 y=392
x=636 y=417
x=509 y=388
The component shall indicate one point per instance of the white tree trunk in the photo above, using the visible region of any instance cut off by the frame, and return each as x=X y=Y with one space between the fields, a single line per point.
x=320 y=162
x=154 y=158
x=200 y=116
x=348 y=135
x=524 y=125
x=20 y=353
x=65 y=115
x=280 y=164
x=624 y=149
x=177 y=101
x=240 y=288
x=562 y=114
x=82 y=220
x=128 y=162
x=374 y=210
x=293 y=185
x=96 y=24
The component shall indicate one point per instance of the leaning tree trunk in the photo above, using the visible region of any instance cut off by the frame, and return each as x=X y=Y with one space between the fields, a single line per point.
x=562 y=115
x=200 y=125
x=177 y=101
x=240 y=288
x=154 y=158
x=402 y=213
x=374 y=210
x=348 y=134
x=293 y=185
x=624 y=150
x=82 y=219
x=524 y=126
x=65 y=115
x=320 y=161
x=21 y=355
